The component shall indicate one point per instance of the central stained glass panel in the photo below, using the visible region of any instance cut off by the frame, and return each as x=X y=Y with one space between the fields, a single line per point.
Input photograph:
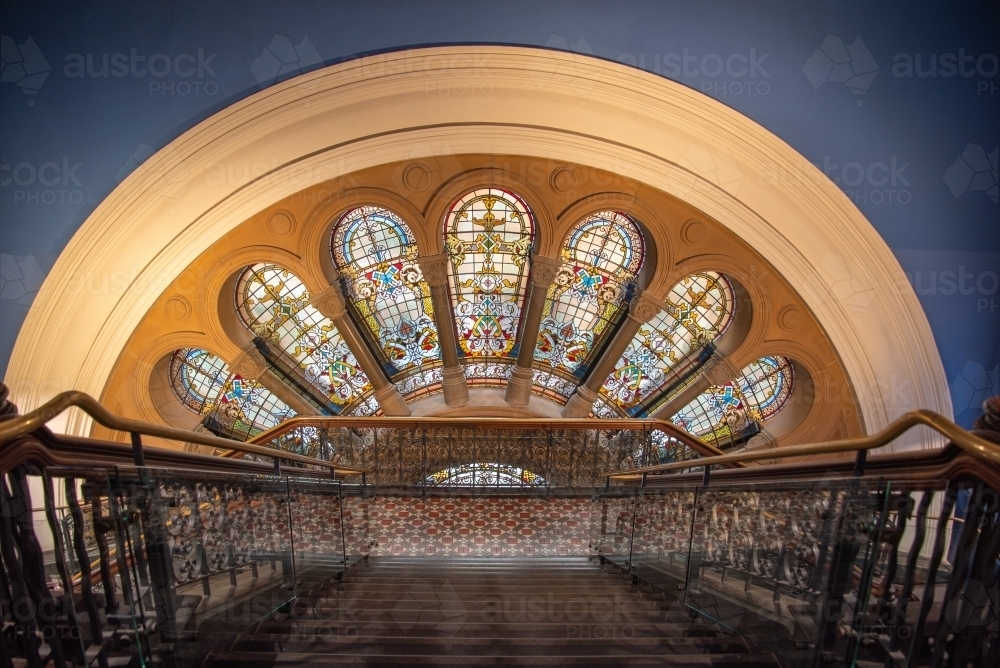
x=601 y=259
x=375 y=252
x=488 y=236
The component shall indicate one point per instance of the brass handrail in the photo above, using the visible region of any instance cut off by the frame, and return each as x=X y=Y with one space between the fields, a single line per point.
x=320 y=422
x=22 y=425
x=974 y=445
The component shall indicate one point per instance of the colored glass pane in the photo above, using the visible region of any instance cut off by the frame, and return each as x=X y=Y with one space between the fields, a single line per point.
x=487 y=474
x=234 y=406
x=375 y=252
x=488 y=236
x=601 y=258
x=274 y=305
x=699 y=309
x=724 y=412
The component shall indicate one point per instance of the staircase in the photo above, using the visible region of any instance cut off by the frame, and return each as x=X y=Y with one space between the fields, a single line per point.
x=513 y=612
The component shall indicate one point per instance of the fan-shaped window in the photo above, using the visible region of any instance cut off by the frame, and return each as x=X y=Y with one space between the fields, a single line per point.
x=602 y=256
x=667 y=348
x=485 y=475
x=233 y=406
x=274 y=305
x=733 y=412
x=488 y=236
x=375 y=252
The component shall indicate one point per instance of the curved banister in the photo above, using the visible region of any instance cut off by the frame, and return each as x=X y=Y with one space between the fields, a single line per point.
x=669 y=428
x=22 y=425
x=975 y=445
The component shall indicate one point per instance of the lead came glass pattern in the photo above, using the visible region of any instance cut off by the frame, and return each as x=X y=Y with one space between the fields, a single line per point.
x=274 y=305
x=485 y=475
x=488 y=236
x=601 y=258
x=376 y=252
x=234 y=406
x=699 y=309
x=724 y=412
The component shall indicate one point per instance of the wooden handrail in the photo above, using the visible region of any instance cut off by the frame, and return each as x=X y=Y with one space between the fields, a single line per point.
x=672 y=430
x=971 y=443
x=22 y=425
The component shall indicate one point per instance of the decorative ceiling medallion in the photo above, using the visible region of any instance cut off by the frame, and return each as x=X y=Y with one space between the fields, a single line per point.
x=693 y=232
x=177 y=308
x=416 y=177
x=563 y=179
x=789 y=318
x=281 y=223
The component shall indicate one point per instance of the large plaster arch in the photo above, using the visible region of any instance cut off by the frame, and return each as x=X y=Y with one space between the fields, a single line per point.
x=388 y=107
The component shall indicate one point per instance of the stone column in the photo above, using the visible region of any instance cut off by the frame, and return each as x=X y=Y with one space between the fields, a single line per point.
x=435 y=270
x=250 y=364
x=641 y=310
x=543 y=273
x=717 y=370
x=330 y=303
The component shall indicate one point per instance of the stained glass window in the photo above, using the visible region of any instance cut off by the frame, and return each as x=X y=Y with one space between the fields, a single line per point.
x=601 y=259
x=728 y=412
x=375 y=252
x=488 y=235
x=699 y=309
x=274 y=305
x=233 y=406
x=485 y=474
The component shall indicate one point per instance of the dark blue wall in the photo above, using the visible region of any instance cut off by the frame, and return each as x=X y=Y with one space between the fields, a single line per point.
x=918 y=154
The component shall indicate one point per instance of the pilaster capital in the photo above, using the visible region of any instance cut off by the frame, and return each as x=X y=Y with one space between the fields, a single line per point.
x=762 y=440
x=329 y=302
x=718 y=370
x=435 y=268
x=249 y=364
x=543 y=271
x=644 y=307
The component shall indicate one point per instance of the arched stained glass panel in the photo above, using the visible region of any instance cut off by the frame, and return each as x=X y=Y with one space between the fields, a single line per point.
x=601 y=258
x=699 y=309
x=728 y=412
x=233 y=406
x=375 y=252
x=274 y=305
x=485 y=475
x=488 y=236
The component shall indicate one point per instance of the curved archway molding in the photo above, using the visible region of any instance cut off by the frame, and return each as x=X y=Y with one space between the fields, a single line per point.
x=321 y=125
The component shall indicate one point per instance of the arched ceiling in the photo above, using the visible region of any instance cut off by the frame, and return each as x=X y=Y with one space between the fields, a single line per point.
x=377 y=110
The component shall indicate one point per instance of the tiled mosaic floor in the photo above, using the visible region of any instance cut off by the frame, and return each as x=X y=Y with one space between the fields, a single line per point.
x=469 y=527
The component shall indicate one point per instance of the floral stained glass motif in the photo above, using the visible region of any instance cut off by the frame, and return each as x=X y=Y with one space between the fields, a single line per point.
x=724 y=412
x=375 y=252
x=485 y=475
x=274 y=305
x=699 y=309
x=234 y=406
x=601 y=259
x=488 y=235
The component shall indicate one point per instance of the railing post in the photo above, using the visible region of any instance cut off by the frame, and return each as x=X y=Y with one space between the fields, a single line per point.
x=277 y=466
x=137 y=454
x=706 y=474
x=859 y=463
